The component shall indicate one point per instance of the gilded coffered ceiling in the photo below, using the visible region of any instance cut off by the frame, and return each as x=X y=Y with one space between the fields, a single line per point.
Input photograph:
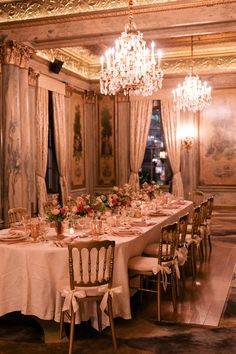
x=78 y=32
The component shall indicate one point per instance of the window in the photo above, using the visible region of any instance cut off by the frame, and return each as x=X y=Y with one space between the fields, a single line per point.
x=156 y=165
x=52 y=173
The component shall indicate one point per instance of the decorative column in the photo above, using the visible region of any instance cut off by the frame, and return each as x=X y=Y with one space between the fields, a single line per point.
x=16 y=148
x=123 y=124
x=26 y=151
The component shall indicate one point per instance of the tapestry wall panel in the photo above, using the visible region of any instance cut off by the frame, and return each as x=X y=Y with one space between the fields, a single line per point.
x=106 y=172
x=77 y=141
x=217 y=135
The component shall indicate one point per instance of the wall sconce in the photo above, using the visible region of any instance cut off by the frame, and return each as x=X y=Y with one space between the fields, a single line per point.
x=187 y=142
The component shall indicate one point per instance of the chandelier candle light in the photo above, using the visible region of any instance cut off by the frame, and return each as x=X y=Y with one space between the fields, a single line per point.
x=192 y=95
x=130 y=66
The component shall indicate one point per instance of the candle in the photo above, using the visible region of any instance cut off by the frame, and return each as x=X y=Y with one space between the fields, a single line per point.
x=102 y=61
x=71 y=231
x=159 y=54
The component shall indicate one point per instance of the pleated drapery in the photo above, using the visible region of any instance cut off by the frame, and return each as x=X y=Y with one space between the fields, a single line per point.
x=41 y=145
x=60 y=141
x=140 y=118
x=171 y=126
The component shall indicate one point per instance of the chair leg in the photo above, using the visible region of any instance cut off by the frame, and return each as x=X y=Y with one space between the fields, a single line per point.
x=62 y=315
x=112 y=323
x=173 y=289
x=177 y=284
x=201 y=252
x=209 y=242
x=159 y=296
x=72 y=330
x=61 y=324
x=193 y=260
x=99 y=317
x=182 y=274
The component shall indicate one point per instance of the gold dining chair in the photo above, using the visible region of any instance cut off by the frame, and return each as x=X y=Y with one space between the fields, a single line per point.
x=197 y=197
x=157 y=270
x=16 y=214
x=209 y=209
x=92 y=262
x=194 y=240
x=182 y=251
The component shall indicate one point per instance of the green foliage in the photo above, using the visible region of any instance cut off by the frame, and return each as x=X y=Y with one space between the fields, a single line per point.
x=144 y=176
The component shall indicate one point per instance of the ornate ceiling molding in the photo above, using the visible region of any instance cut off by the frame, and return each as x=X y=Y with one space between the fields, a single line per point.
x=31 y=10
x=71 y=63
x=201 y=65
x=208 y=64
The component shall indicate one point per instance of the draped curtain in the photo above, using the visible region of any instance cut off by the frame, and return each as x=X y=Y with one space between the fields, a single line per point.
x=60 y=140
x=171 y=126
x=140 y=118
x=41 y=145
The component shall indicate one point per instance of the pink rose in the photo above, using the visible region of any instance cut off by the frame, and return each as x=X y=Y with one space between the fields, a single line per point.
x=74 y=209
x=54 y=202
x=55 y=211
x=63 y=211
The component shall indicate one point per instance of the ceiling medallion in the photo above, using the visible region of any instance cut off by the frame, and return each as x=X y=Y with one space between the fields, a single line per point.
x=130 y=66
x=192 y=95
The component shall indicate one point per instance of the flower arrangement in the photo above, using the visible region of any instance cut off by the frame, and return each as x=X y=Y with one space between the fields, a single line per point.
x=89 y=205
x=150 y=189
x=118 y=197
x=95 y=205
x=55 y=212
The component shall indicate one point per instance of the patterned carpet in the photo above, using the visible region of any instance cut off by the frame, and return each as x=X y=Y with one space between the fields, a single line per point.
x=21 y=334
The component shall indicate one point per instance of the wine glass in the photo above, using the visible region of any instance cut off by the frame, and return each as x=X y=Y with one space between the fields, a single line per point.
x=44 y=227
x=26 y=220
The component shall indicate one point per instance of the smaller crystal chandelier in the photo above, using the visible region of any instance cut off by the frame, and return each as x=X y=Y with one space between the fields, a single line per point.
x=192 y=95
x=130 y=66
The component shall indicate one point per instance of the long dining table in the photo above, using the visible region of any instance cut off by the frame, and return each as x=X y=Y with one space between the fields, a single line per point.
x=32 y=272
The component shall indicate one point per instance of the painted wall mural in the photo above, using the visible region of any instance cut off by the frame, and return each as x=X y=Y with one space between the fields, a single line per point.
x=106 y=141
x=77 y=141
x=217 y=131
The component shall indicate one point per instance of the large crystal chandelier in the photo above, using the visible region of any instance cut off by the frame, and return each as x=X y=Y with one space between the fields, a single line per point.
x=130 y=66
x=192 y=95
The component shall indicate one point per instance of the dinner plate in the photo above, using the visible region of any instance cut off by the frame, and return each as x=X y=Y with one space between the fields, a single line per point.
x=13 y=237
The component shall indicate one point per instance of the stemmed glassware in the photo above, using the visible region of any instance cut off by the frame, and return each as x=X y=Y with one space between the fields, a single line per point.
x=26 y=221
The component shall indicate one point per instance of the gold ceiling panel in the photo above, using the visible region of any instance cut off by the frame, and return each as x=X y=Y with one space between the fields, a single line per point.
x=23 y=10
x=11 y=11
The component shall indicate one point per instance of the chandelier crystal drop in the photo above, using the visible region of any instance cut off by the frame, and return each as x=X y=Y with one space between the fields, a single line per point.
x=130 y=66
x=192 y=95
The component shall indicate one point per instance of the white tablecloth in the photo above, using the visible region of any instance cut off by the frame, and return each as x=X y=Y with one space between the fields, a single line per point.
x=31 y=273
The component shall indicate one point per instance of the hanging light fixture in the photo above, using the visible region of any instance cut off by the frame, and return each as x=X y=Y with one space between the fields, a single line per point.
x=192 y=95
x=130 y=66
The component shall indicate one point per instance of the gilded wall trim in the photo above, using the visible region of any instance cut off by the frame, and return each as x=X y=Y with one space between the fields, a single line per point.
x=90 y=97
x=28 y=10
x=33 y=77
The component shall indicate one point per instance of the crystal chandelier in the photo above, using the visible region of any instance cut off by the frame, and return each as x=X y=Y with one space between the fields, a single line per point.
x=192 y=95
x=130 y=66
